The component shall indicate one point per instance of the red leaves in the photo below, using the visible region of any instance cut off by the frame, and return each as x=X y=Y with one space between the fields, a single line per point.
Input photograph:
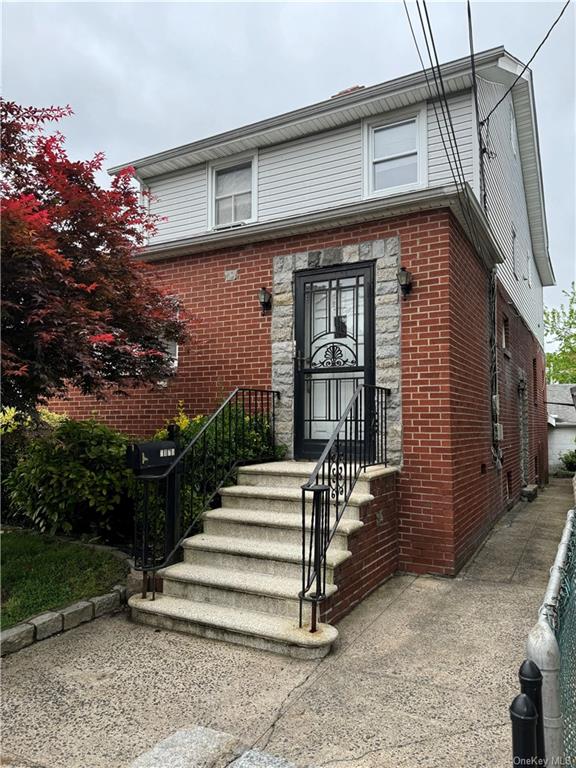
x=77 y=307
x=102 y=338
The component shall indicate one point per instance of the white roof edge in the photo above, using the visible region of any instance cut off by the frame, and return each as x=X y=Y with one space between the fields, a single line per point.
x=335 y=104
x=536 y=208
x=547 y=279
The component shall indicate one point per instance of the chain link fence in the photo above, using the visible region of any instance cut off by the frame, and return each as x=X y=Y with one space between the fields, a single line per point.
x=565 y=630
x=552 y=646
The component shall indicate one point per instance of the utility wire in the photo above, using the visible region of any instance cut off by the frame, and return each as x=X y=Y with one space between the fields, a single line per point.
x=530 y=60
x=476 y=108
x=458 y=182
x=438 y=79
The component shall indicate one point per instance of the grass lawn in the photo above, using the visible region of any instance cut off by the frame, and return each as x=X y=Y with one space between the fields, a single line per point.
x=40 y=573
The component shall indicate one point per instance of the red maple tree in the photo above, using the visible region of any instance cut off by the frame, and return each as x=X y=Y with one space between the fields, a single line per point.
x=78 y=306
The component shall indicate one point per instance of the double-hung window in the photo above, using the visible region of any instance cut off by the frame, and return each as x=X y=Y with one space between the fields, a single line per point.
x=233 y=193
x=395 y=156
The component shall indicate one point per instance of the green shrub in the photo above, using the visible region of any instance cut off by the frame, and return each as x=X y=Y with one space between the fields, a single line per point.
x=237 y=436
x=568 y=459
x=73 y=479
x=17 y=430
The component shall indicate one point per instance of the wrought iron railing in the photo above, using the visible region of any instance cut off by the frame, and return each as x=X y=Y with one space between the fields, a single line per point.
x=170 y=503
x=359 y=440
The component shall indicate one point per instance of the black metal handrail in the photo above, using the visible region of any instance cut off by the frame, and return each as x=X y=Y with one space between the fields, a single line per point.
x=170 y=503
x=359 y=440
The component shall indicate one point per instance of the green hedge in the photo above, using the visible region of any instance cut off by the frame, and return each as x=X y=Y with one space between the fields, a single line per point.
x=74 y=480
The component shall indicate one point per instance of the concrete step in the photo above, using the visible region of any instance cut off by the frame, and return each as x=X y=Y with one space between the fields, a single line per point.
x=250 y=628
x=291 y=474
x=261 y=525
x=237 y=589
x=282 y=499
x=271 y=558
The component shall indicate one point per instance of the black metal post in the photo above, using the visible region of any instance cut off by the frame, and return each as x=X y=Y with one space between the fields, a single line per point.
x=172 y=500
x=524 y=721
x=317 y=517
x=531 y=684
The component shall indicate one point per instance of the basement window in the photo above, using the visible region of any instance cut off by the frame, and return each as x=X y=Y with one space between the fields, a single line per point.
x=233 y=193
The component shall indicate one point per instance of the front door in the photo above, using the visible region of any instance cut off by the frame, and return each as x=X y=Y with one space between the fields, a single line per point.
x=334 y=326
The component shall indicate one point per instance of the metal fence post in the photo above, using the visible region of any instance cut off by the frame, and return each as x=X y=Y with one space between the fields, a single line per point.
x=542 y=648
x=524 y=721
x=172 y=500
x=320 y=493
x=531 y=684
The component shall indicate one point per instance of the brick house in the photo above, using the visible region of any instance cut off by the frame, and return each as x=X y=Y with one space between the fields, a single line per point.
x=322 y=206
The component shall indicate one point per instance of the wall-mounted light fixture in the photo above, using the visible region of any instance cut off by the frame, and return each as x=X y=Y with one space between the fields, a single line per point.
x=405 y=281
x=265 y=299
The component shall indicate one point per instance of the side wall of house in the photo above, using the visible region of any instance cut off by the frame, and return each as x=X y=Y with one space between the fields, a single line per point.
x=506 y=205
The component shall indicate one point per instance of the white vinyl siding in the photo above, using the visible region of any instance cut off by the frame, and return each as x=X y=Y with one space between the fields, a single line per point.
x=506 y=208
x=461 y=111
x=313 y=173
x=310 y=174
x=182 y=199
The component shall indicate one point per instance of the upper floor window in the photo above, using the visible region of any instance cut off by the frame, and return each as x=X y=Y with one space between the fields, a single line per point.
x=233 y=190
x=395 y=156
x=514 y=255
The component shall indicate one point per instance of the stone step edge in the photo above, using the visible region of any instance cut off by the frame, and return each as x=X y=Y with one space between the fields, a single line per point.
x=292 y=469
x=206 y=576
x=284 y=493
x=234 y=620
x=288 y=520
x=60 y=620
x=266 y=550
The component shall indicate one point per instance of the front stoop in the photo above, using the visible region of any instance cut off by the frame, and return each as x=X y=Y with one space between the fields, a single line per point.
x=240 y=578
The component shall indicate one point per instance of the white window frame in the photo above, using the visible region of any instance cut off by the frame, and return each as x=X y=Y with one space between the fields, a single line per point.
x=371 y=126
x=514 y=253
x=225 y=164
x=175 y=356
x=513 y=131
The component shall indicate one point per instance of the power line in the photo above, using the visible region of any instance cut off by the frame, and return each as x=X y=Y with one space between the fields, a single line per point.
x=530 y=60
x=443 y=98
x=457 y=181
x=476 y=108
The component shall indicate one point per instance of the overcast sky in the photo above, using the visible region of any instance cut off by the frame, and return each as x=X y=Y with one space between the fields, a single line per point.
x=143 y=77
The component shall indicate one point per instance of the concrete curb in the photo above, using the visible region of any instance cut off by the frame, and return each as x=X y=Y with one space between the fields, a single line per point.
x=54 y=622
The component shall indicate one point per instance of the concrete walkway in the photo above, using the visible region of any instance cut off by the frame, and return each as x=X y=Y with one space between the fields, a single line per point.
x=424 y=674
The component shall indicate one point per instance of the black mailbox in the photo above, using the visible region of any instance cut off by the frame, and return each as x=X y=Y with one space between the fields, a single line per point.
x=155 y=454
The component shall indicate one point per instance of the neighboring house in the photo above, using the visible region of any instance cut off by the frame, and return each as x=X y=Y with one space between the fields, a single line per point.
x=561 y=422
x=322 y=206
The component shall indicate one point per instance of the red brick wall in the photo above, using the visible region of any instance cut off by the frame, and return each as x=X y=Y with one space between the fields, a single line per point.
x=374 y=551
x=230 y=344
x=449 y=491
x=425 y=486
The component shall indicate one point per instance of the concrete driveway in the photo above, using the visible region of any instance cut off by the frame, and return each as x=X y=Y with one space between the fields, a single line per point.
x=424 y=674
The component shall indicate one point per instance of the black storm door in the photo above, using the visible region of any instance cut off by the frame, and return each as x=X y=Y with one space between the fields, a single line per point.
x=334 y=349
